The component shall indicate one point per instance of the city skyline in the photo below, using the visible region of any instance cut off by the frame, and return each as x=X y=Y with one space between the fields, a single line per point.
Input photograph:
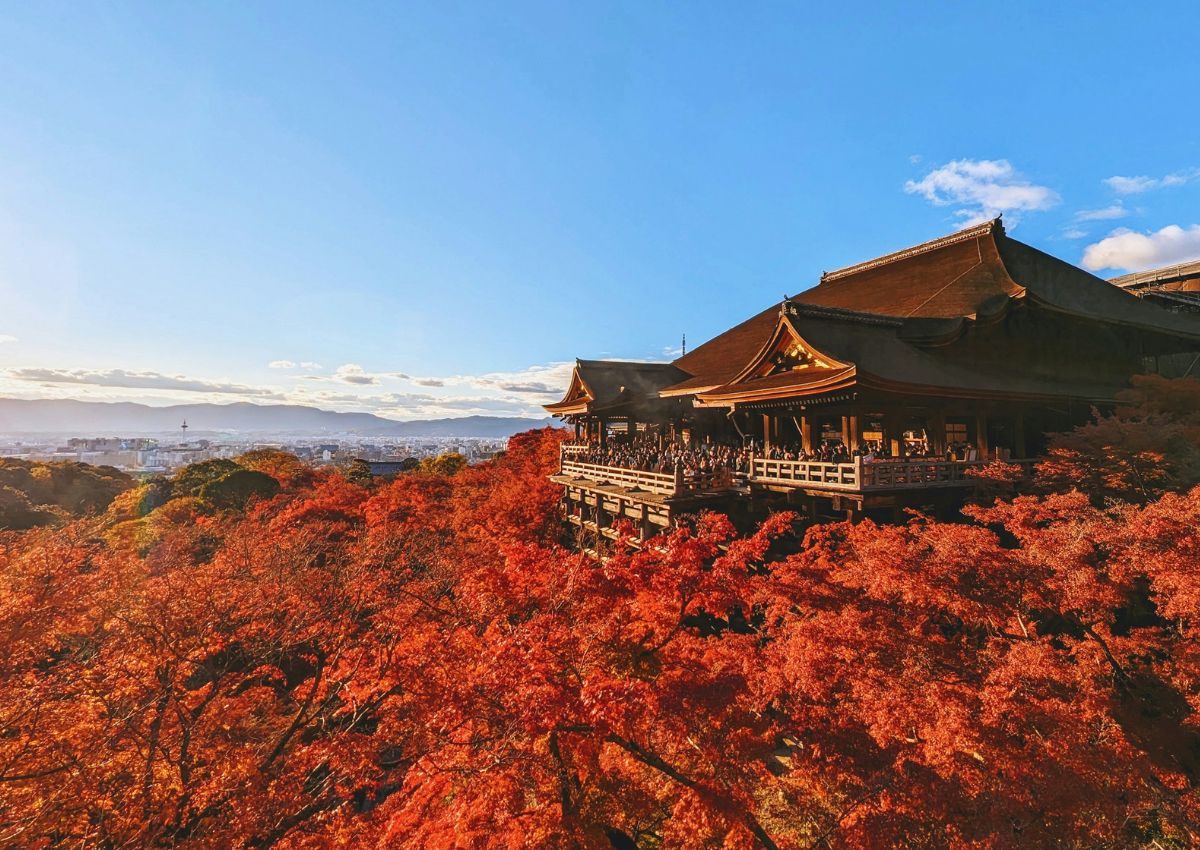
x=429 y=211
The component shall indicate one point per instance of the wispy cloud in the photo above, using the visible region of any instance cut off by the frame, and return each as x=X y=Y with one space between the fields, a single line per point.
x=1074 y=233
x=281 y=364
x=1128 y=250
x=137 y=380
x=982 y=189
x=7 y=338
x=1113 y=211
x=1137 y=185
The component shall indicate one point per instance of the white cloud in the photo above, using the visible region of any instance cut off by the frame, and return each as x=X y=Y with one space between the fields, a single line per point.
x=1136 y=185
x=7 y=338
x=550 y=379
x=281 y=364
x=1074 y=233
x=308 y=364
x=1127 y=249
x=1108 y=213
x=352 y=373
x=350 y=387
x=136 y=380
x=982 y=189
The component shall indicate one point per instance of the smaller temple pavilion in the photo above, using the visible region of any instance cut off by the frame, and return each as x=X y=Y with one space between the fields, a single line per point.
x=876 y=389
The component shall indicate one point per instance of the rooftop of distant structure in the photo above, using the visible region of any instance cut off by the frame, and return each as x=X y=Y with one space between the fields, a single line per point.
x=1166 y=276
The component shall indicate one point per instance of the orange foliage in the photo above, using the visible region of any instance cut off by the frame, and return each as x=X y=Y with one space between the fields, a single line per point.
x=419 y=664
x=1149 y=446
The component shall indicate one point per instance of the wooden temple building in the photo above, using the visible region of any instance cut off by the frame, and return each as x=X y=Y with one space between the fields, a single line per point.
x=972 y=347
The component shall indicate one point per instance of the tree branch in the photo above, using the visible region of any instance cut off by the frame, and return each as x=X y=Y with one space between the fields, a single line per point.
x=658 y=763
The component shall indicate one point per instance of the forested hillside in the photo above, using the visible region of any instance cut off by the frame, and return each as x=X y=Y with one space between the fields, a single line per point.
x=258 y=654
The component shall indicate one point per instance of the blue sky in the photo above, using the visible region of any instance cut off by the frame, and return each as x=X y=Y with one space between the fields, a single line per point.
x=431 y=209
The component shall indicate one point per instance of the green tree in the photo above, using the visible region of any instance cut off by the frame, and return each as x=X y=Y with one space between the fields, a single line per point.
x=449 y=463
x=16 y=512
x=236 y=489
x=359 y=472
x=190 y=480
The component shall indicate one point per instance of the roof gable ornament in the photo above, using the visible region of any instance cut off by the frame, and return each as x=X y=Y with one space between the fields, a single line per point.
x=787 y=351
x=794 y=358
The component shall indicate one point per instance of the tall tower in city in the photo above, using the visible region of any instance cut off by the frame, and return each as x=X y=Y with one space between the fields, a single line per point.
x=183 y=431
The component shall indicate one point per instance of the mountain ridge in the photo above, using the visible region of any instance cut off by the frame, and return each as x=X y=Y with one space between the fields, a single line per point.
x=83 y=418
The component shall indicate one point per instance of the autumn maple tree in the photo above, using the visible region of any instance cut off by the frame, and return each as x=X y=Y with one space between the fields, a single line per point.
x=419 y=662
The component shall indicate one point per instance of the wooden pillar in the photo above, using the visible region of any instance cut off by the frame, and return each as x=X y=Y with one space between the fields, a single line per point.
x=893 y=430
x=846 y=437
x=1019 y=435
x=806 y=433
x=632 y=427
x=855 y=431
x=937 y=435
x=766 y=427
x=603 y=433
x=981 y=440
x=577 y=430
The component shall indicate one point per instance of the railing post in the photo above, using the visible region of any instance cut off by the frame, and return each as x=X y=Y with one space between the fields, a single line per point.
x=859 y=480
x=678 y=477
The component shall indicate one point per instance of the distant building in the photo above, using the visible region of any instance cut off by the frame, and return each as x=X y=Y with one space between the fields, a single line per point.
x=390 y=467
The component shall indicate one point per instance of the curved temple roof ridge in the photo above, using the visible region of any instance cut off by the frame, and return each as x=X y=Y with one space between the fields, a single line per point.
x=964 y=235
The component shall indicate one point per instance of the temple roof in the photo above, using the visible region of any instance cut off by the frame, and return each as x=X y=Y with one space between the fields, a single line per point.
x=949 y=276
x=845 y=349
x=600 y=385
x=719 y=359
x=930 y=289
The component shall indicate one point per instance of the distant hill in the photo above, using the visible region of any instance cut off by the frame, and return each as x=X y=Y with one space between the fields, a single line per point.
x=81 y=418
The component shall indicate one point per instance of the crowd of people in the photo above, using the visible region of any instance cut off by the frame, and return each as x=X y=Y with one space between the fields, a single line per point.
x=649 y=454
x=653 y=454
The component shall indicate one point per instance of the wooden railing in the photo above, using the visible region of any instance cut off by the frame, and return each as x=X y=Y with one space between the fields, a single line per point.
x=905 y=474
x=806 y=473
x=857 y=476
x=566 y=450
x=876 y=475
x=675 y=483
